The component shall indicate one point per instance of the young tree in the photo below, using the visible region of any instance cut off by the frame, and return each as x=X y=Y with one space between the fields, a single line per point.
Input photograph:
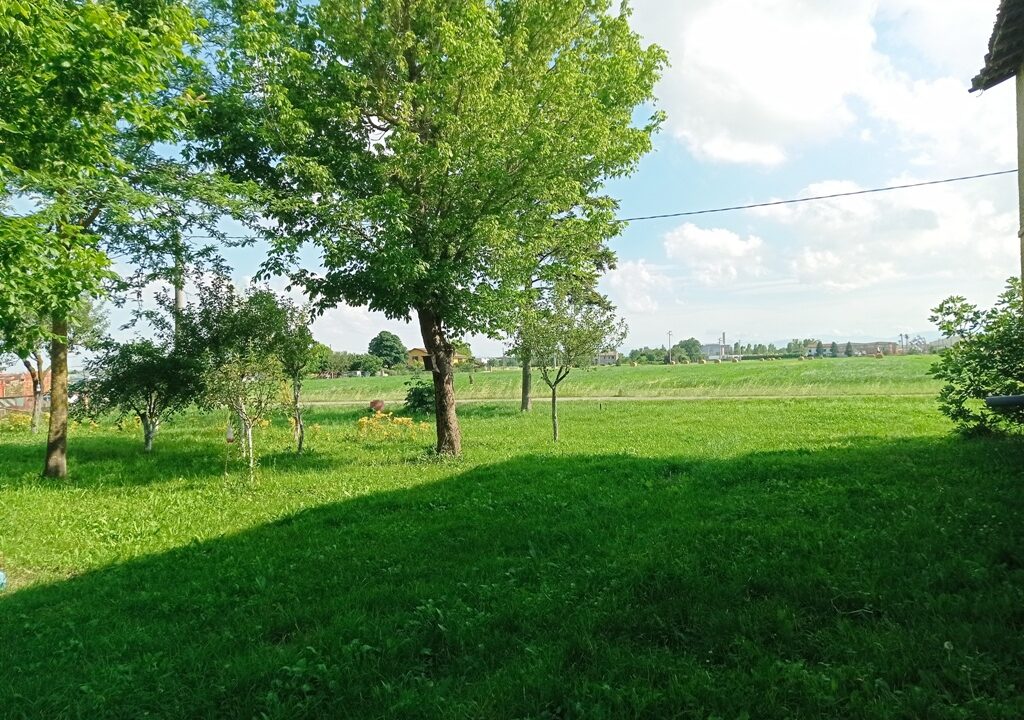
x=142 y=378
x=389 y=348
x=250 y=384
x=566 y=333
x=421 y=145
x=834 y=349
x=237 y=336
x=567 y=255
x=849 y=349
x=297 y=351
x=819 y=349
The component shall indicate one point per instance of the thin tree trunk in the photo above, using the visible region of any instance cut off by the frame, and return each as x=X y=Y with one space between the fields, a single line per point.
x=252 y=454
x=527 y=401
x=300 y=428
x=554 y=412
x=449 y=436
x=57 y=439
x=242 y=425
x=149 y=428
x=37 y=389
x=179 y=284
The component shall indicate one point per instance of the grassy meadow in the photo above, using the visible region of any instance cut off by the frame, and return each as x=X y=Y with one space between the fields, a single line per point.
x=789 y=378
x=835 y=556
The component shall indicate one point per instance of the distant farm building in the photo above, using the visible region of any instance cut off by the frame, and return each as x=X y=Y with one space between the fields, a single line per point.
x=715 y=350
x=607 y=358
x=420 y=356
x=874 y=348
x=16 y=390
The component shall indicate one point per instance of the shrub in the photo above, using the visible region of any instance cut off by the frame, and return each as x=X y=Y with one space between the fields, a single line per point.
x=987 y=359
x=419 y=398
x=15 y=423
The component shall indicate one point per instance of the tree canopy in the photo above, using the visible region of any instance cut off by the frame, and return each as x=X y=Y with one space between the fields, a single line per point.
x=431 y=149
x=389 y=348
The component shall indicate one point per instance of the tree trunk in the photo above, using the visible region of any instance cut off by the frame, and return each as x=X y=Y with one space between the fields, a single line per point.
x=300 y=428
x=554 y=412
x=252 y=453
x=527 y=401
x=57 y=440
x=449 y=437
x=37 y=389
x=179 y=284
x=149 y=428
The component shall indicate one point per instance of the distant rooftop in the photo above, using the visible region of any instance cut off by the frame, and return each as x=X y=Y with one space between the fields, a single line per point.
x=1005 y=47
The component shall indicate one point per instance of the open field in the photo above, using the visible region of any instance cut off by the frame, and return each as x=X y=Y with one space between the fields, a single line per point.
x=809 y=378
x=803 y=558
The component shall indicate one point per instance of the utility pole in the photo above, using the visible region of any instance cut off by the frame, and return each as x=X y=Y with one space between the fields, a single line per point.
x=669 y=347
x=721 y=348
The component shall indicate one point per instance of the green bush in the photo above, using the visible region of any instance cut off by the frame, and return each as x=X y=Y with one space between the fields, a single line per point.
x=419 y=398
x=987 y=359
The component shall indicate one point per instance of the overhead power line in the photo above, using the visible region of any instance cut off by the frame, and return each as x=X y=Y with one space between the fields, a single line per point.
x=771 y=203
x=816 y=197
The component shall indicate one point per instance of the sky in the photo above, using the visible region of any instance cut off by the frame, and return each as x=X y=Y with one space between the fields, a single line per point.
x=779 y=99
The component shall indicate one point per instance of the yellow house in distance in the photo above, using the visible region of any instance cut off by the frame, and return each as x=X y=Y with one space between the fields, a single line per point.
x=422 y=357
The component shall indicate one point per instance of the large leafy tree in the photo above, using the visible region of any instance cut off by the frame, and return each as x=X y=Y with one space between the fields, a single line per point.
x=299 y=354
x=568 y=256
x=238 y=337
x=423 y=145
x=74 y=77
x=389 y=348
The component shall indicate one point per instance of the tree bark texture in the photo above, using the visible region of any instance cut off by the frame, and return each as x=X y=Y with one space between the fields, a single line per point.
x=149 y=428
x=554 y=413
x=36 y=373
x=300 y=428
x=57 y=439
x=527 y=400
x=252 y=453
x=436 y=342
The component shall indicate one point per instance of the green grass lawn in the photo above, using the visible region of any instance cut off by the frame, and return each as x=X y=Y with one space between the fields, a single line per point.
x=802 y=558
x=809 y=378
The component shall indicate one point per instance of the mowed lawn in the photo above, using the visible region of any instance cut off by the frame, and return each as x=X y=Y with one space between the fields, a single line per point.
x=800 y=558
x=803 y=378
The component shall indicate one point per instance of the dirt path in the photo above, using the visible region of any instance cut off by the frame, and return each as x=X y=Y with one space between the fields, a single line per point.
x=638 y=398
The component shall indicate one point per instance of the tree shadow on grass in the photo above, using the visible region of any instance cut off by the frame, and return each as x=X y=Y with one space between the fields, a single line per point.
x=870 y=580
x=114 y=460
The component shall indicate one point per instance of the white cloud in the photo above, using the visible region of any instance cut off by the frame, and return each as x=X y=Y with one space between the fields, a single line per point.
x=716 y=255
x=757 y=81
x=351 y=328
x=636 y=286
x=748 y=79
x=937 y=231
